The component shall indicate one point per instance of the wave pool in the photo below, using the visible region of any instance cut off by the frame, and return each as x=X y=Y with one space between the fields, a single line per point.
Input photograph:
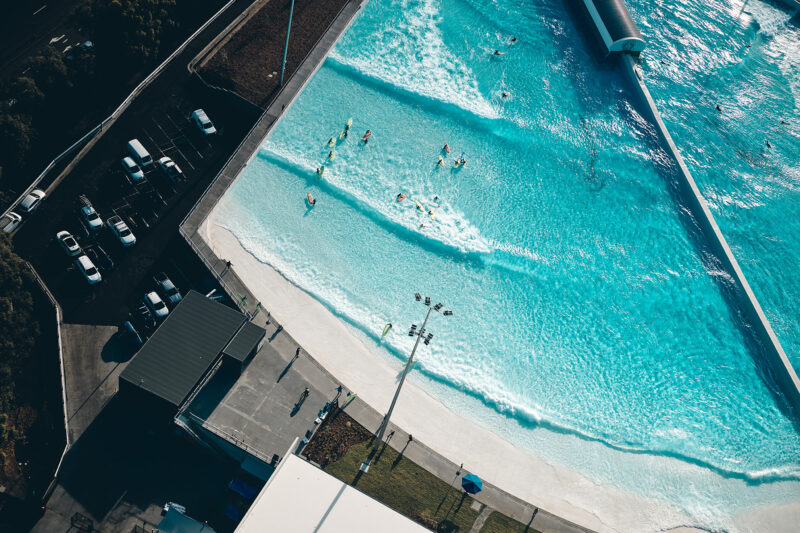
x=587 y=328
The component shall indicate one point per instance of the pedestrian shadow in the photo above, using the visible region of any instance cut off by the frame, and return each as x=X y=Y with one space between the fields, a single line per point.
x=278 y=330
x=285 y=370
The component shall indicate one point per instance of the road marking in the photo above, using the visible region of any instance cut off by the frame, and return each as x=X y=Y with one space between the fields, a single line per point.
x=56 y=39
x=39 y=10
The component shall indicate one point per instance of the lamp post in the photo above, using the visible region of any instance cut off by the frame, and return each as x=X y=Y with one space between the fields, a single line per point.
x=420 y=334
x=286 y=46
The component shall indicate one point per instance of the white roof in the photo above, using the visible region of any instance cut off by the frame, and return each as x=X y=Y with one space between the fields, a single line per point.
x=300 y=497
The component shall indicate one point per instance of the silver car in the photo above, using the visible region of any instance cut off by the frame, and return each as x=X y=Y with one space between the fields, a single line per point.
x=122 y=231
x=132 y=169
x=32 y=201
x=68 y=243
x=168 y=289
x=88 y=270
x=156 y=304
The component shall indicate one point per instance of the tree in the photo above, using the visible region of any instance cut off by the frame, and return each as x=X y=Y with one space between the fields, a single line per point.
x=15 y=139
x=50 y=72
x=23 y=95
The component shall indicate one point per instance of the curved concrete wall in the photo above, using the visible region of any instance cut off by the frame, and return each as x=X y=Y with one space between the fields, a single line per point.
x=784 y=373
x=615 y=26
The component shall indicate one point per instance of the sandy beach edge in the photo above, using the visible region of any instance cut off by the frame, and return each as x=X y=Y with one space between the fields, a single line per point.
x=330 y=342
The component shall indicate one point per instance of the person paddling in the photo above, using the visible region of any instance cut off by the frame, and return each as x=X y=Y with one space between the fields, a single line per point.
x=401 y=197
x=311 y=200
x=366 y=136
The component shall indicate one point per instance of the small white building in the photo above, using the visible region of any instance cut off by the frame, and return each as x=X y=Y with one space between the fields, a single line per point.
x=300 y=497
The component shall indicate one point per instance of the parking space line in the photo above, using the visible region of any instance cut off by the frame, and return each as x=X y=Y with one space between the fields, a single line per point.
x=152 y=141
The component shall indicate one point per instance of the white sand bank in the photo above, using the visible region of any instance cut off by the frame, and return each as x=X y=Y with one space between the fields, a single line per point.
x=558 y=490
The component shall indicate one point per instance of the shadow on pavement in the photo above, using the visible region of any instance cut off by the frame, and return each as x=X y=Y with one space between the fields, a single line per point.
x=117 y=349
x=123 y=457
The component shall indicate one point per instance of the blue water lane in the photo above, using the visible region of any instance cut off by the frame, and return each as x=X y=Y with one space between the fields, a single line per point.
x=588 y=329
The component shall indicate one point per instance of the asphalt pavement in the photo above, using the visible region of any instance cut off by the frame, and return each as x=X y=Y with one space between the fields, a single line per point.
x=160 y=119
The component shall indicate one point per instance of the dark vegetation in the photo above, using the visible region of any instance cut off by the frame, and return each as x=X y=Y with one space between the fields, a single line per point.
x=61 y=97
x=31 y=425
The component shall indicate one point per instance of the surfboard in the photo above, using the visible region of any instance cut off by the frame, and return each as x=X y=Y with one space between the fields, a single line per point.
x=320 y=171
x=349 y=122
x=430 y=212
x=332 y=155
x=419 y=206
x=386 y=329
x=341 y=135
x=332 y=142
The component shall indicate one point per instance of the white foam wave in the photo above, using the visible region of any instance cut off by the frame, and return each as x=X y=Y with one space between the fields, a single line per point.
x=375 y=196
x=411 y=54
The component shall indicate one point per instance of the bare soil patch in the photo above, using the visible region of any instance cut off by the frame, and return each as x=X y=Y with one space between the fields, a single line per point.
x=249 y=63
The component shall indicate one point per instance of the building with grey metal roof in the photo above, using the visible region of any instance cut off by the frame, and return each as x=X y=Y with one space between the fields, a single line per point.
x=197 y=335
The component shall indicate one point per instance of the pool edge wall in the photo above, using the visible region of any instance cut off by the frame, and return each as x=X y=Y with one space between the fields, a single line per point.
x=784 y=372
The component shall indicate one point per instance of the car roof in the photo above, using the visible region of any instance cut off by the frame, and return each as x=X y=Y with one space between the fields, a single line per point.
x=85 y=261
x=199 y=113
x=128 y=160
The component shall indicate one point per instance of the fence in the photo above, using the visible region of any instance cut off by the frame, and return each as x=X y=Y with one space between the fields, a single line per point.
x=57 y=308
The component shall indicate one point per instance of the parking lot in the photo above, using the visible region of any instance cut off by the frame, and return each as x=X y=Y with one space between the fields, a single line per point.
x=152 y=207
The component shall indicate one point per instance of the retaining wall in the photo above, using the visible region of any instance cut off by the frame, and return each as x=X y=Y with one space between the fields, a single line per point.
x=783 y=372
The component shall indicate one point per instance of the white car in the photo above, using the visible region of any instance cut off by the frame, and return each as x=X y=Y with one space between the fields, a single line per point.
x=156 y=304
x=168 y=289
x=10 y=222
x=88 y=270
x=122 y=231
x=68 y=243
x=91 y=217
x=32 y=201
x=169 y=167
x=132 y=169
x=203 y=122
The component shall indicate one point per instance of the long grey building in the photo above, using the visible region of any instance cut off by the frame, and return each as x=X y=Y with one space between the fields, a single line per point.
x=197 y=337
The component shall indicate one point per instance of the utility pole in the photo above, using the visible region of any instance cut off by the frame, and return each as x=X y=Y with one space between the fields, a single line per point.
x=286 y=46
x=419 y=334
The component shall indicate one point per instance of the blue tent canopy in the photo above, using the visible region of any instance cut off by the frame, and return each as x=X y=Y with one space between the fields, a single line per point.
x=472 y=483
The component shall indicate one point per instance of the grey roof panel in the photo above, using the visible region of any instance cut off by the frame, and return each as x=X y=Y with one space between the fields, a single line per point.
x=182 y=350
x=245 y=340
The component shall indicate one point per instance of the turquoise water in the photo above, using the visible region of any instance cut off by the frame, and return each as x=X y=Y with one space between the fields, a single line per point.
x=587 y=328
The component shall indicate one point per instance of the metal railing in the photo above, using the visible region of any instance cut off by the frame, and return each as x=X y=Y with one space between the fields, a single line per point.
x=57 y=308
x=233 y=439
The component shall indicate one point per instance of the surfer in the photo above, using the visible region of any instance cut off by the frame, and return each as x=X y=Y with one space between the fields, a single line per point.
x=436 y=199
x=331 y=155
x=342 y=135
x=463 y=161
x=456 y=162
x=401 y=197
x=718 y=108
x=768 y=144
x=784 y=122
x=505 y=94
x=366 y=136
x=499 y=53
x=347 y=126
x=513 y=39
x=331 y=142
x=320 y=171
x=386 y=329
x=446 y=148
x=441 y=161
x=311 y=200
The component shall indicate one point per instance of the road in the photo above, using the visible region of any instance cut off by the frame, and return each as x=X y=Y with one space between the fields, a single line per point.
x=28 y=27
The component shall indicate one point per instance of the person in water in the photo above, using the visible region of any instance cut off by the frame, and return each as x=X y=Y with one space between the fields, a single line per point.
x=504 y=95
x=311 y=200
x=446 y=148
x=436 y=199
x=401 y=197
x=513 y=39
x=718 y=108
x=366 y=136
x=441 y=161
x=499 y=53
x=768 y=144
